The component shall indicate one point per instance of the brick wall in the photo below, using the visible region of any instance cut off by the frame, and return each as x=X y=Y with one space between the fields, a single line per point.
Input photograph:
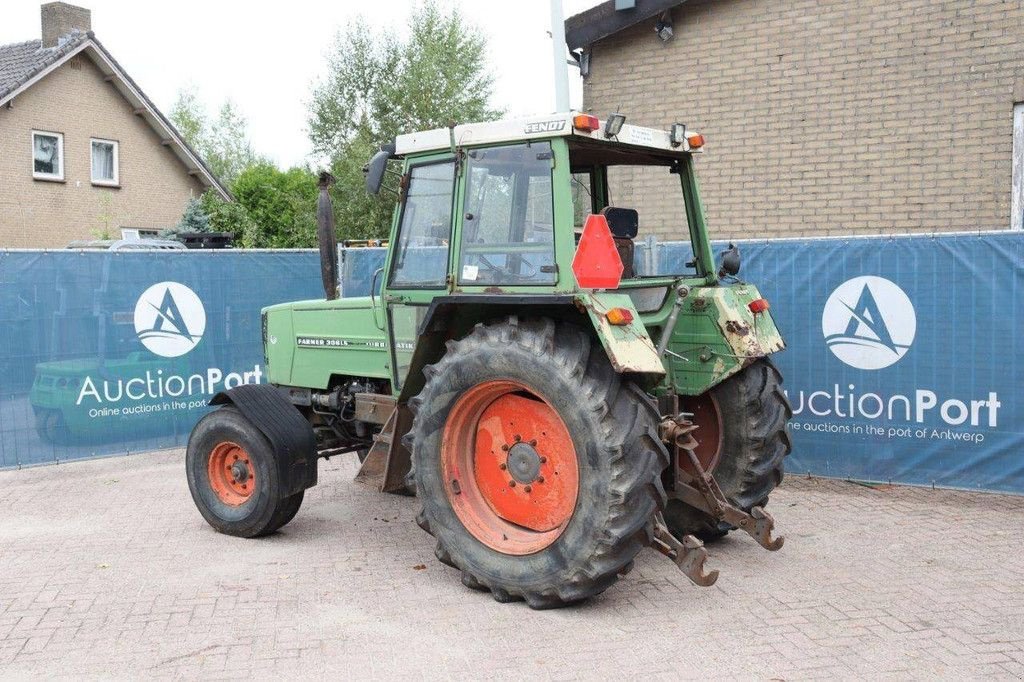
x=75 y=100
x=829 y=117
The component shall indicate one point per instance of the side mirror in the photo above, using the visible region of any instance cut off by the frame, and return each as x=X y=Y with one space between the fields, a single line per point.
x=730 y=265
x=376 y=168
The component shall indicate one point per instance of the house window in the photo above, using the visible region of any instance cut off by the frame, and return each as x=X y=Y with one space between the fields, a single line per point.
x=47 y=155
x=104 y=162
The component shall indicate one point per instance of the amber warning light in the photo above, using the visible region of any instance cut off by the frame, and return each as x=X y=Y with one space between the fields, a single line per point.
x=620 y=317
x=586 y=123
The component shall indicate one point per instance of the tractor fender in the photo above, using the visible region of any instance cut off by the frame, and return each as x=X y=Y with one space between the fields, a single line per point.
x=289 y=432
x=629 y=348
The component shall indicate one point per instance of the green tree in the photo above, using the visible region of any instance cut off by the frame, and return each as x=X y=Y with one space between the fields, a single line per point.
x=226 y=216
x=223 y=142
x=194 y=219
x=279 y=206
x=379 y=86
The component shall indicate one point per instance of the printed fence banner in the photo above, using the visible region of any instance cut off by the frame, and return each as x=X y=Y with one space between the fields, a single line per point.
x=115 y=352
x=902 y=362
x=903 y=359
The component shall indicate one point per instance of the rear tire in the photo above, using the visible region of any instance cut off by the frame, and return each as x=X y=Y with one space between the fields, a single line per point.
x=612 y=450
x=754 y=427
x=233 y=476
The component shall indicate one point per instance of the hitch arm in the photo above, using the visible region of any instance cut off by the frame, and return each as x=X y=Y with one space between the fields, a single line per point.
x=689 y=554
x=702 y=491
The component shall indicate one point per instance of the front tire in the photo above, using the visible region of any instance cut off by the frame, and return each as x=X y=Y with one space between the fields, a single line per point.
x=538 y=467
x=233 y=476
x=743 y=434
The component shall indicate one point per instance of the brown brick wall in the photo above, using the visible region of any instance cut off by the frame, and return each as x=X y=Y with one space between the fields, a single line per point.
x=75 y=100
x=829 y=117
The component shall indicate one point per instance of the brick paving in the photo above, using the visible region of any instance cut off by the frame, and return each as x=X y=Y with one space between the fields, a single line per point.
x=107 y=570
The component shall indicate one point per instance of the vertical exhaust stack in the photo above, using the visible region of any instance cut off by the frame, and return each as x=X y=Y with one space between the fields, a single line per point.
x=558 y=52
x=326 y=237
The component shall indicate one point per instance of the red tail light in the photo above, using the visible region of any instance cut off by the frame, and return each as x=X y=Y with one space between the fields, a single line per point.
x=758 y=306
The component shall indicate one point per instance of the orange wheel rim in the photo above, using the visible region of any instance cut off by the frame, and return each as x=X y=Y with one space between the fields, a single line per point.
x=703 y=411
x=231 y=473
x=509 y=466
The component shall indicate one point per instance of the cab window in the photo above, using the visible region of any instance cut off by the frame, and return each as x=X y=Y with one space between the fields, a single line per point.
x=421 y=256
x=508 y=225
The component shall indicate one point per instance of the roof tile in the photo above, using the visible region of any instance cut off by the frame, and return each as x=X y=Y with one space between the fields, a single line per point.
x=19 y=62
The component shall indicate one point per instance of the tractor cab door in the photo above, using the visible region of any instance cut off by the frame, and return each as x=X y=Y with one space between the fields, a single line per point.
x=417 y=268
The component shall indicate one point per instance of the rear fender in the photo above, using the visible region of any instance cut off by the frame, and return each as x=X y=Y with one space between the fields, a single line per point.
x=629 y=348
x=289 y=432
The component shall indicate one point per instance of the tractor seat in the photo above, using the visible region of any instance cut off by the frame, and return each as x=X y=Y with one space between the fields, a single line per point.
x=624 y=224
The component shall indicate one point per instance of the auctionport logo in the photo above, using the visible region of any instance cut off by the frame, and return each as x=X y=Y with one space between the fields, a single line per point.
x=869 y=322
x=169 y=319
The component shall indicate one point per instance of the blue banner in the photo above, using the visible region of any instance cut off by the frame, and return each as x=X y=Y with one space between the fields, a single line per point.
x=902 y=362
x=115 y=352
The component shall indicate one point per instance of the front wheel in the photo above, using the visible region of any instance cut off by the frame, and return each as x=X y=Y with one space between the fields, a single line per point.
x=538 y=467
x=742 y=438
x=233 y=476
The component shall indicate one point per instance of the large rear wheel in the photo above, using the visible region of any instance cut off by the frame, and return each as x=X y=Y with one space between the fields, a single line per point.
x=538 y=467
x=233 y=476
x=743 y=438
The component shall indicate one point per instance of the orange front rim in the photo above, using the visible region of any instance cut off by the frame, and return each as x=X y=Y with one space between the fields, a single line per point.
x=231 y=473
x=509 y=466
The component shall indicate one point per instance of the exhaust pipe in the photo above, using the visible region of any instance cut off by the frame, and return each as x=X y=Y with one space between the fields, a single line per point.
x=326 y=237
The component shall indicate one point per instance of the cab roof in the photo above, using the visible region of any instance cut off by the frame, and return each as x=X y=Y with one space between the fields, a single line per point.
x=655 y=142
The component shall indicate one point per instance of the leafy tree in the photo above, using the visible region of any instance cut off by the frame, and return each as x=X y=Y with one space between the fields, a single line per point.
x=226 y=216
x=379 y=86
x=223 y=142
x=280 y=207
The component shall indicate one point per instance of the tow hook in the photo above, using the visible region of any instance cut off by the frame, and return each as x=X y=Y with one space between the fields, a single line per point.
x=689 y=554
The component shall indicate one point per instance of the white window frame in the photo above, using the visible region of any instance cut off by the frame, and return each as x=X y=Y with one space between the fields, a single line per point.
x=1017 y=189
x=116 y=182
x=60 y=155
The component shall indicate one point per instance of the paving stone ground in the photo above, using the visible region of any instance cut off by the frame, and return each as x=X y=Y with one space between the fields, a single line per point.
x=107 y=570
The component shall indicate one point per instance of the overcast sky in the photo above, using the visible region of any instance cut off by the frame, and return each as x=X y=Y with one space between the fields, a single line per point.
x=266 y=56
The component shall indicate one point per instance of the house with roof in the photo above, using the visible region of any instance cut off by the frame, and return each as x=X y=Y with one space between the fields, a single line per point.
x=84 y=153
x=823 y=118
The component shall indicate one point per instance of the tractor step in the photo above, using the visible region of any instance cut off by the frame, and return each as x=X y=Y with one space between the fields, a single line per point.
x=388 y=461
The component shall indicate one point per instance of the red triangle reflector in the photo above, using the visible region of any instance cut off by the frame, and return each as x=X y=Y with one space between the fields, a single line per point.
x=597 y=264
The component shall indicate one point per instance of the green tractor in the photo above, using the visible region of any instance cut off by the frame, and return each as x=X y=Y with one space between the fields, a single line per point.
x=554 y=405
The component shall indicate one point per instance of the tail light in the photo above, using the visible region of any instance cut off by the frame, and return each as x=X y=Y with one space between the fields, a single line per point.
x=758 y=306
x=620 y=317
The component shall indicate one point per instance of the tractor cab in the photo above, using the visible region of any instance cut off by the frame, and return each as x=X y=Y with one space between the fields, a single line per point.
x=504 y=204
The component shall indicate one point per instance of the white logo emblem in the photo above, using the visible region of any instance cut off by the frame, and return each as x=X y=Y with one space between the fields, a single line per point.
x=169 y=319
x=869 y=322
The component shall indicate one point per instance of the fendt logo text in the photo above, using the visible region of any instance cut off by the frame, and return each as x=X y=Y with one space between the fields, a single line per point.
x=869 y=322
x=169 y=319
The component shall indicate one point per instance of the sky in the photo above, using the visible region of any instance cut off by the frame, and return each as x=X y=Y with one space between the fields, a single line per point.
x=266 y=57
